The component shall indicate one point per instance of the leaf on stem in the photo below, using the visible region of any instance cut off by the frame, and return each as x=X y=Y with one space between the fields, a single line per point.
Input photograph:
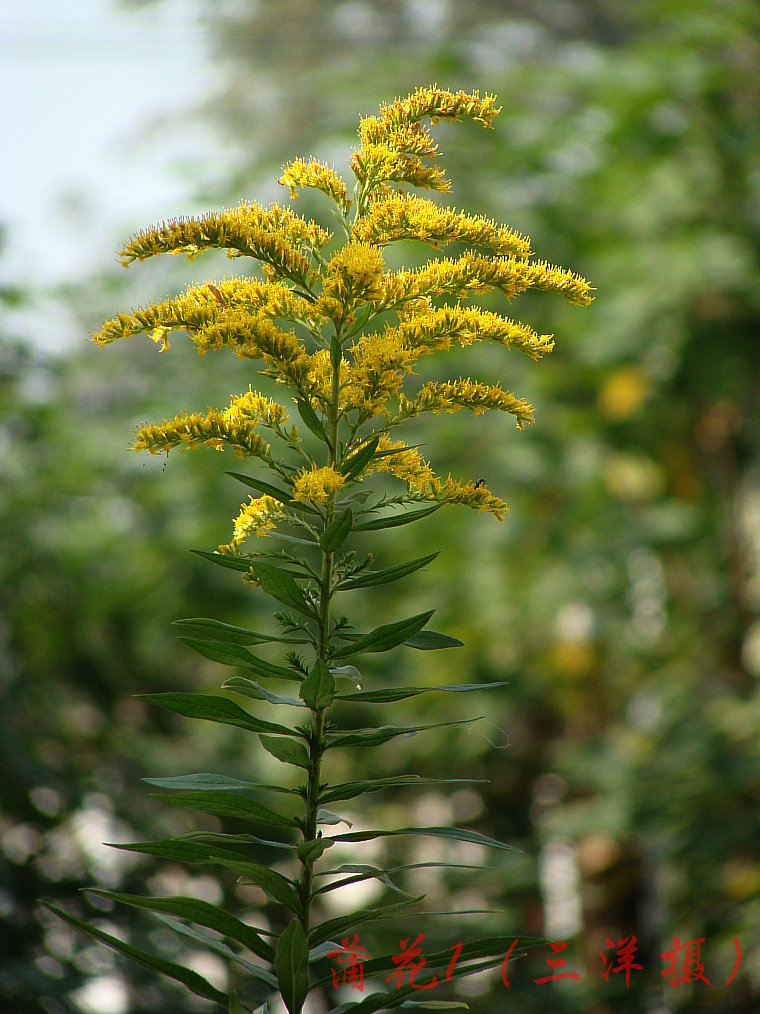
x=291 y=963
x=281 y=586
x=237 y=655
x=287 y=751
x=391 y=694
x=214 y=709
x=386 y=636
x=194 y=982
x=318 y=689
x=336 y=532
x=205 y=782
x=371 y=579
x=396 y=520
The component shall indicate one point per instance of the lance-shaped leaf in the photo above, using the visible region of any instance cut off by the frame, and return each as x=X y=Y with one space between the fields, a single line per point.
x=225 y=560
x=201 y=912
x=237 y=655
x=336 y=532
x=391 y=694
x=278 y=888
x=370 y=579
x=214 y=944
x=214 y=709
x=287 y=751
x=349 y=790
x=332 y=928
x=311 y=419
x=228 y=804
x=374 y=737
x=277 y=494
x=291 y=963
x=455 y=833
x=396 y=520
x=282 y=587
x=249 y=688
x=318 y=689
x=431 y=640
x=360 y=459
x=215 y=630
x=206 y=782
x=386 y=636
x=361 y=871
x=194 y=982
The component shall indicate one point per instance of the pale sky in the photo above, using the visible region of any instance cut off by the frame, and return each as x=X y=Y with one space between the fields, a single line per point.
x=80 y=80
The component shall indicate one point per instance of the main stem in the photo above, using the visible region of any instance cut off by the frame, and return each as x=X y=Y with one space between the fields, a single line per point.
x=317 y=732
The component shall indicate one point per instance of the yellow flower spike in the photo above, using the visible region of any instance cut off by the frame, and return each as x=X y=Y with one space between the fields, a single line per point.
x=316 y=484
x=475 y=495
x=214 y=429
x=201 y=305
x=258 y=517
x=452 y=396
x=379 y=363
x=256 y=409
x=432 y=329
x=437 y=103
x=474 y=273
x=274 y=235
x=406 y=464
x=355 y=273
x=320 y=176
x=406 y=216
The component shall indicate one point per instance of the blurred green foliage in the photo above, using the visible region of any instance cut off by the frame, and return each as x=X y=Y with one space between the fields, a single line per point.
x=620 y=597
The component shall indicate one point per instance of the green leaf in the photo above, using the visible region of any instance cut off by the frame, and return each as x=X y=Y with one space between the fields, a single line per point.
x=278 y=888
x=370 y=579
x=383 y=733
x=287 y=751
x=395 y=520
x=364 y=872
x=334 y=927
x=336 y=532
x=205 y=782
x=213 y=944
x=360 y=459
x=455 y=833
x=318 y=689
x=386 y=636
x=273 y=491
x=214 y=709
x=223 y=837
x=215 y=630
x=224 y=560
x=291 y=963
x=194 y=982
x=237 y=655
x=201 y=912
x=236 y=1006
x=349 y=790
x=282 y=587
x=227 y=804
x=310 y=851
x=431 y=640
x=311 y=419
x=391 y=694
x=246 y=687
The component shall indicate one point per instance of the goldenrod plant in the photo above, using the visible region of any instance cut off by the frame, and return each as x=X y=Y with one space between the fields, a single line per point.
x=342 y=335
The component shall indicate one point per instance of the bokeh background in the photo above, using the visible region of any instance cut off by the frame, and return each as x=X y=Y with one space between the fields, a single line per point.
x=620 y=598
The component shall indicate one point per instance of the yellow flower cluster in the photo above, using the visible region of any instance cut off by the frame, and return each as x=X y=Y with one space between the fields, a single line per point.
x=214 y=429
x=256 y=409
x=202 y=305
x=273 y=235
x=354 y=275
x=316 y=484
x=451 y=396
x=434 y=329
x=258 y=517
x=318 y=175
x=394 y=143
x=379 y=364
x=407 y=464
x=437 y=104
x=474 y=273
x=405 y=216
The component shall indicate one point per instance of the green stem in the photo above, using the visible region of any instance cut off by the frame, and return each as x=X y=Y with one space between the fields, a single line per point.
x=317 y=742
